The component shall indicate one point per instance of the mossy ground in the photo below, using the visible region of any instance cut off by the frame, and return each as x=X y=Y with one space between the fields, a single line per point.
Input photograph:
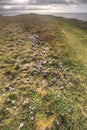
x=42 y=87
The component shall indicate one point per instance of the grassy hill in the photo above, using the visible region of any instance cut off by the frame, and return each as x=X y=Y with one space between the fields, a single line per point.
x=43 y=73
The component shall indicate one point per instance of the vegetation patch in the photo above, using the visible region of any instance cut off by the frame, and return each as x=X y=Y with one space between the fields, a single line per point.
x=43 y=73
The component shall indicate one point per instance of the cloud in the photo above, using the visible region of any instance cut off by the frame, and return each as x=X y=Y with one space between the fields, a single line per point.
x=42 y=6
x=43 y=2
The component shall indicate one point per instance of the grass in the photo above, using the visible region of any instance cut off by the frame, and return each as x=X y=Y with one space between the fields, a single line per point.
x=42 y=86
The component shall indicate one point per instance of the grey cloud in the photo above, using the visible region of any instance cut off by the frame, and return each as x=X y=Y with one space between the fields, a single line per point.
x=13 y=6
x=57 y=1
x=23 y=8
x=42 y=2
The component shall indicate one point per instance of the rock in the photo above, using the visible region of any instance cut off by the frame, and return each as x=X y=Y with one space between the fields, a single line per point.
x=69 y=110
x=72 y=106
x=18 y=78
x=15 y=108
x=7 y=87
x=61 y=67
x=26 y=67
x=31 y=112
x=17 y=60
x=25 y=102
x=34 y=108
x=11 y=89
x=12 y=77
x=27 y=79
x=30 y=107
x=8 y=100
x=25 y=82
x=3 y=94
x=45 y=73
x=35 y=39
x=17 y=66
x=24 y=71
x=54 y=80
x=21 y=125
x=13 y=101
x=31 y=117
x=61 y=87
x=57 y=123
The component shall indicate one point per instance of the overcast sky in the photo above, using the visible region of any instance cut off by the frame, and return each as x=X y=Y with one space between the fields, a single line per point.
x=11 y=7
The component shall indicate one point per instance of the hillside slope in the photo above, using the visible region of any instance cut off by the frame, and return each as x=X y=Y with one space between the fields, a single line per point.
x=43 y=73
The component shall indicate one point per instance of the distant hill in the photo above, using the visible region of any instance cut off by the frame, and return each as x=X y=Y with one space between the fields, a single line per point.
x=79 y=23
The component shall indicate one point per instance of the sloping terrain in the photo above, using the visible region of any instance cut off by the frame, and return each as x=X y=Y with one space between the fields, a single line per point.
x=43 y=74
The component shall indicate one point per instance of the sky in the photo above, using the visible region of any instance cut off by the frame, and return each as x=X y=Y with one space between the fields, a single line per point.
x=13 y=7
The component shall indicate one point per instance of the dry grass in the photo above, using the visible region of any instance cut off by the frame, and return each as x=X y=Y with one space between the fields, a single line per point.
x=42 y=86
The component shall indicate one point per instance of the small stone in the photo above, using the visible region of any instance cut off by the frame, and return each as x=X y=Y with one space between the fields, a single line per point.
x=12 y=77
x=72 y=106
x=27 y=79
x=8 y=100
x=32 y=117
x=18 y=78
x=34 y=108
x=69 y=110
x=11 y=89
x=35 y=39
x=62 y=87
x=21 y=125
x=3 y=94
x=7 y=86
x=26 y=66
x=17 y=66
x=24 y=71
x=14 y=108
x=58 y=95
x=30 y=107
x=13 y=101
x=57 y=123
x=25 y=102
x=31 y=112
x=25 y=82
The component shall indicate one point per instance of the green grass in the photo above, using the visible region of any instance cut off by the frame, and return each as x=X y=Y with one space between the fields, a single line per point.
x=51 y=96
